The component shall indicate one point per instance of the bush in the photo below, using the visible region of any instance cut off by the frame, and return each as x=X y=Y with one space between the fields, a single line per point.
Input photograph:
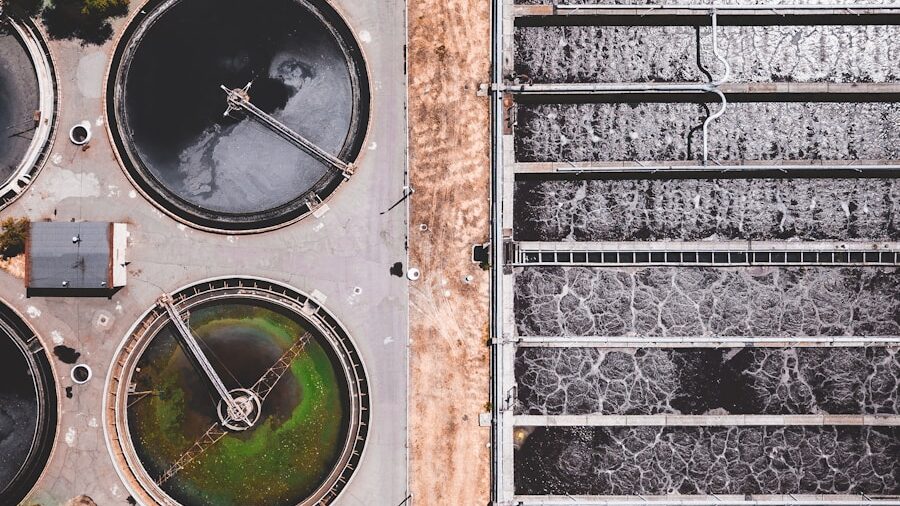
x=13 y=236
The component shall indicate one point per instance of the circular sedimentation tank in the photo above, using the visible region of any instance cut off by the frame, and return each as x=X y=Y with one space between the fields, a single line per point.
x=27 y=108
x=311 y=427
x=27 y=408
x=233 y=172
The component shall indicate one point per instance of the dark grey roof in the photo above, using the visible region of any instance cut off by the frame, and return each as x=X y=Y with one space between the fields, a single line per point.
x=55 y=259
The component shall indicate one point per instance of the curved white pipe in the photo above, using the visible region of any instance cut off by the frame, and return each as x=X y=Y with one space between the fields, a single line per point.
x=709 y=120
x=715 y=43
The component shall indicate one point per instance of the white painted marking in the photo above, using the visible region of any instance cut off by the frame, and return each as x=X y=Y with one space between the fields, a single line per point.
x=373 y=146
x=365 y=36
x=70 y=437
x=182 y=227
x=99 y=121
x=132 y=194
x=56 y=159
x=56 y=337
x=33 y=312
x=388 y=340
x=319 y=226
x=319 y=296
x=93 y=422
x=230 y=239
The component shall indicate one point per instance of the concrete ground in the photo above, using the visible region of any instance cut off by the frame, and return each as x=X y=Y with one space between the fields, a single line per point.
x=354 y=244
x=449 y=57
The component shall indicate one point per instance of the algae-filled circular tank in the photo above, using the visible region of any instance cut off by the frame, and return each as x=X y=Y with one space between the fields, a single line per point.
x=222 y=168
x=27 y=408
x=308 y=428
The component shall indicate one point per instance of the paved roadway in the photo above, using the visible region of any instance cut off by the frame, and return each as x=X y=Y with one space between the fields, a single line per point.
x=351 y=245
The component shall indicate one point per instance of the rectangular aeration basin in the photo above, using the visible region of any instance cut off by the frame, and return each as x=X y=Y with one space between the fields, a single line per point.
x=651 y=302
x=732 y=381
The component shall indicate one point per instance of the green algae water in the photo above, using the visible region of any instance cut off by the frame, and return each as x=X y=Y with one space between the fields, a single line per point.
x=279 y=461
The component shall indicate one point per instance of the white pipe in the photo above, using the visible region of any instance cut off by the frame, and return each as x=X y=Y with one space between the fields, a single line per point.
x=728 y=420
x=715 y=42
x=725 y=168
x=709 y=120
x=706 y=7
x=701 y=341
x=500 y=493
x=699 y=501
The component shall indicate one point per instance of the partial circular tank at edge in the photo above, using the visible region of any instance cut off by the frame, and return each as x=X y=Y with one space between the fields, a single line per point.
x=19 y=89
x=27 y=408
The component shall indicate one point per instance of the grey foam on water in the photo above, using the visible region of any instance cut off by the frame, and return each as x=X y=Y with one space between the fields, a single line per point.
x=832 y=53
x=702 y=209
x=672 y=131
x=692 y=2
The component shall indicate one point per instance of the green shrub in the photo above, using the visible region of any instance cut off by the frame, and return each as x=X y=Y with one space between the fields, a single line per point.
x=13 y=236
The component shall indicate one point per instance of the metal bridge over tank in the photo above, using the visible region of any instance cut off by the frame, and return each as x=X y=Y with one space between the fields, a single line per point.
x=239 y=100
x=704 y=253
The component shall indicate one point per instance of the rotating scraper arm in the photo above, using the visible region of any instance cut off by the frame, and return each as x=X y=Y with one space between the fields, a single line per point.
x=192 y=348
x=239 y=100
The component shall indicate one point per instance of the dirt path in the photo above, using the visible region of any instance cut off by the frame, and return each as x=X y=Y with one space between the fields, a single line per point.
x=449 y=56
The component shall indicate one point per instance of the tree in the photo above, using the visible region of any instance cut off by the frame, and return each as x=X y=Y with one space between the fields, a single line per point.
x=103 y=7
x=13 y=236
x=83 y=19
x=21 y=8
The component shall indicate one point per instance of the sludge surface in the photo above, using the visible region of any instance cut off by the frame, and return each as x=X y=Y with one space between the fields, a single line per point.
x=704 y=302
x=721 y=209
x=673 y=131
x=708 y=460
x=647 y=381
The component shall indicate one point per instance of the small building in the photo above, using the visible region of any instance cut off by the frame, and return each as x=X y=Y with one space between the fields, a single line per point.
x=75 y=258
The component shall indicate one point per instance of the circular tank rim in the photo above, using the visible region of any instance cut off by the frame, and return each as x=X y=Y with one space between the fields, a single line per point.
x=48 y=388
x=35 y=42
x=124 y=458
x=192 y=215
